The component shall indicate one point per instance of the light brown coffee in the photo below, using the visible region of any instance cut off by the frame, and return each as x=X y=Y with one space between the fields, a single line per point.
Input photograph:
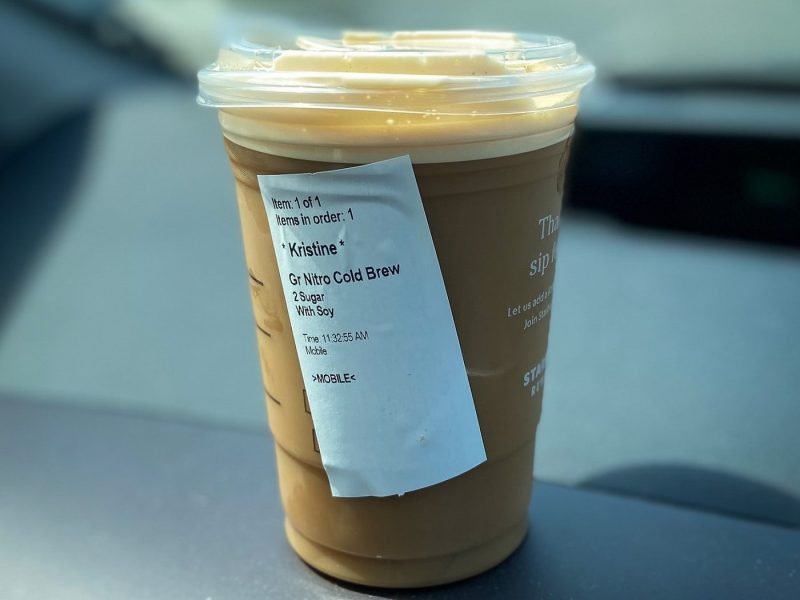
x=494 y=224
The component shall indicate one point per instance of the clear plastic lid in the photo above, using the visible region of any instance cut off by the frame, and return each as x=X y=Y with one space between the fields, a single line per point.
x=449 y=71
x=436 y=95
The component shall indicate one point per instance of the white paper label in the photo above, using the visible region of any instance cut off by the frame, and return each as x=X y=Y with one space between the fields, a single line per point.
x=383 y=370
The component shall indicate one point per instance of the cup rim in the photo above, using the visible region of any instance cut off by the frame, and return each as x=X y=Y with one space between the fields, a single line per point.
x=248 y=73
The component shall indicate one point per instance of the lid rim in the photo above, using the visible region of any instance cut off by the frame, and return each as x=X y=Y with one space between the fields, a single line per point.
x=535 y=65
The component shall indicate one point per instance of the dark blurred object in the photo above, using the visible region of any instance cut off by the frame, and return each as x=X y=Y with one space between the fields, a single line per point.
x=59 y=57
x=36 y=184
x=707 y=156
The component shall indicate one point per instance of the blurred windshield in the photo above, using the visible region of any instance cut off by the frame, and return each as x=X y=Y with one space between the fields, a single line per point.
x=124 y=283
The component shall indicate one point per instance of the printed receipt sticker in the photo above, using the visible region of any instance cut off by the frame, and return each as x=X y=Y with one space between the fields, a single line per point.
x=382 y=366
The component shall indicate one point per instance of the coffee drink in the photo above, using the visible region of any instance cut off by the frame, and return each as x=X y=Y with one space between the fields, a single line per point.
x=489 y=163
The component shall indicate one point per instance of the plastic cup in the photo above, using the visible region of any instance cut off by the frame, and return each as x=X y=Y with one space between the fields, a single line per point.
x=486 y=119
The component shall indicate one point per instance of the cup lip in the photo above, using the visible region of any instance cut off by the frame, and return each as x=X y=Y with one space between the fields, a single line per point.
x=530 y=66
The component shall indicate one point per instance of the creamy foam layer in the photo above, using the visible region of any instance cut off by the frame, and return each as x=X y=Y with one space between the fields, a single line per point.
x=438 y=96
